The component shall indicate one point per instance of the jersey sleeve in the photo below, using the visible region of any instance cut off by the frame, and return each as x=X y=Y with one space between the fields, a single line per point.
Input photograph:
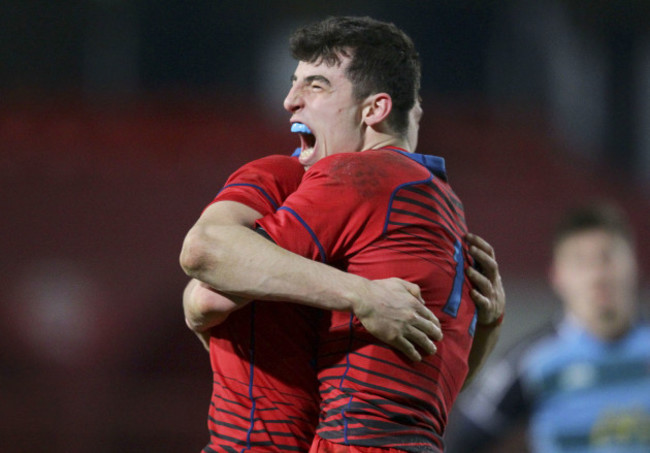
x=263 y=184
x=324 y=218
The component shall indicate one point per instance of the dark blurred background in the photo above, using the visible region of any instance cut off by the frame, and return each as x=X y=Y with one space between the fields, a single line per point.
x=120 y=120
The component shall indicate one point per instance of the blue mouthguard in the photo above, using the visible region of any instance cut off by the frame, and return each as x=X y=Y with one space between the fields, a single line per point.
x=300 y=128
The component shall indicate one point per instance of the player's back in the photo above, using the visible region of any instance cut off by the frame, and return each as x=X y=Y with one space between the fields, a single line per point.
x=264 y=378
x=412 y=227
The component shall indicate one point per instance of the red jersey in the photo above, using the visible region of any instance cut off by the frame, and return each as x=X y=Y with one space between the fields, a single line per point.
x=384 y=213
x=265 y=392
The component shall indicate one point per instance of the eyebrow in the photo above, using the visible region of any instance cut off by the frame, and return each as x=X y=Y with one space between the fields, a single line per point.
x=313 y=78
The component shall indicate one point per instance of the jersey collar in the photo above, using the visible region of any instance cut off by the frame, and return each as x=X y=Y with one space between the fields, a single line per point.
x=434 y=164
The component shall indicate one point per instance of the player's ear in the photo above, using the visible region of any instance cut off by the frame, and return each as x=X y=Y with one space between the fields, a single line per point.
x=376 y=108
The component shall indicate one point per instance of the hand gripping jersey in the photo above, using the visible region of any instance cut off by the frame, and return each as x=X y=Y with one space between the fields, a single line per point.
x=580 y=394
x=265 y=393
x=379 y=214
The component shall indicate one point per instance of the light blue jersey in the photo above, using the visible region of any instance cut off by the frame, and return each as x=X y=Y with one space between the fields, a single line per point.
x=587 y=395
x=578 y=394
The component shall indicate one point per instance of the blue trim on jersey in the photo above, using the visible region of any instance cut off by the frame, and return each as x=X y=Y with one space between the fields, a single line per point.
x=250 y=380
x=394 y=194
x=472 y=326
x=266 y=195
x=347 y=356
x=434 y=164
x=321 y=250
x=345 y=421
x=343 y=376
x=453 y=302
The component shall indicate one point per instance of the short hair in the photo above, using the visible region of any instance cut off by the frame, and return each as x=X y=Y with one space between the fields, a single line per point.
x=383 y=59
x=594 y=216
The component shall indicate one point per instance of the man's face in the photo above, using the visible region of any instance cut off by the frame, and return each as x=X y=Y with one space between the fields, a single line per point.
x=594 y=272
x=321 y=98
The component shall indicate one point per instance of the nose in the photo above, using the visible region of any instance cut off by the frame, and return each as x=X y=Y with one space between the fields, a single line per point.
x=603 y=270
x=293 y=101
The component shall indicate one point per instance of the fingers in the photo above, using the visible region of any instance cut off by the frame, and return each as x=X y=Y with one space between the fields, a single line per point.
x=483 y=295
x=414 y=290
x=484 y=307
x=407 y=348
x=403 y=321
x=430 y=327
x=421 y=339
x=413 y=339
x=480 y=243
x=482 y=302
x=480 y=281
x=484 y=254
x=486 y=262
x=425 y=313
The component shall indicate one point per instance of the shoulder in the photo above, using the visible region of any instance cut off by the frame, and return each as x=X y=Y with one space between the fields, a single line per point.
x=364 y=174
x=643 y=328
x=277 y=162
x=274 y=168
x=639 y=337
x=381 y=164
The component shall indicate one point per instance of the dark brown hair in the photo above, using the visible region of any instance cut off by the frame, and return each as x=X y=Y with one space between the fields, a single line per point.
x=383 y=59
x=595 y=216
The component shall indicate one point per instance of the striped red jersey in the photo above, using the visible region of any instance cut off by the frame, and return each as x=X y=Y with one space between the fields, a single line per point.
x=265 y=392
x=380 y=214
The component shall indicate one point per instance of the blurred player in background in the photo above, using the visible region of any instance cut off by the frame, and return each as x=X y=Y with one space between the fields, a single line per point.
x=419 y=237
x=582 y=385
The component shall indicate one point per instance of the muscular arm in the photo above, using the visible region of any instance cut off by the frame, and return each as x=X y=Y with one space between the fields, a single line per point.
x=203 y=306
x=490 y=299
x=235 y=260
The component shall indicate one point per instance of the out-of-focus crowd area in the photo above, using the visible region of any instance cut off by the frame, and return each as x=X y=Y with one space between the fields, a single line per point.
x=120 y=120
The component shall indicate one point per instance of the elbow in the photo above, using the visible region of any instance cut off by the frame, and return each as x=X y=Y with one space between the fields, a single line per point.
x=195 y=257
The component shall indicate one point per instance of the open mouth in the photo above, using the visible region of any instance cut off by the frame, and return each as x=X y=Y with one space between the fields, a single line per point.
x=307 y=140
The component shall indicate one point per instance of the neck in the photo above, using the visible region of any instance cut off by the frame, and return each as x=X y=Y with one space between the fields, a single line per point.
x=377 y=140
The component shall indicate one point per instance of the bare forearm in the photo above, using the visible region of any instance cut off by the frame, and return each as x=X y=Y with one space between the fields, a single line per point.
x=490 y=298
x=485 y=339
x=205 y=308
x=236 y=260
